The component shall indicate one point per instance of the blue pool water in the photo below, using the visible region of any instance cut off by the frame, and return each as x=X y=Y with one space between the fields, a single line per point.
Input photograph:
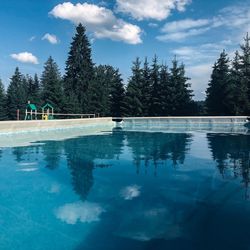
x=127 y=190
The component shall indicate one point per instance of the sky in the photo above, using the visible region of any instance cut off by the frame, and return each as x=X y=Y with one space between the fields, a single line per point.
x=196 y=31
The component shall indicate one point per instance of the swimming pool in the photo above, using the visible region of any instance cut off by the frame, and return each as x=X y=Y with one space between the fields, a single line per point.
x=126 y=189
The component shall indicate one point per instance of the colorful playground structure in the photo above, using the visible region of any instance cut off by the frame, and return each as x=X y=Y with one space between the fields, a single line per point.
x=47 y=113
x=32 y=114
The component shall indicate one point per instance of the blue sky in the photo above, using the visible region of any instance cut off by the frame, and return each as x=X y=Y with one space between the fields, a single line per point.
x=120 y=30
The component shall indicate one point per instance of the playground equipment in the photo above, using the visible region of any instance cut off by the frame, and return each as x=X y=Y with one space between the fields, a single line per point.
x=30 y=112
x=47 y=112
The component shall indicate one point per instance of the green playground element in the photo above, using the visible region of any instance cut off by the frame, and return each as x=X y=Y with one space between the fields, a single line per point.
x=31 y=112
x=47 y=112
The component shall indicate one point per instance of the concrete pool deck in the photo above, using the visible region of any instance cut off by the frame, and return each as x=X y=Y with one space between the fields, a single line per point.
x=191 y=119
x=24 y=133
x=12 y=127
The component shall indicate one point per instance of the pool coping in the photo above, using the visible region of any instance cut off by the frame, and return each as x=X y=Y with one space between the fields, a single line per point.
x=12 y=127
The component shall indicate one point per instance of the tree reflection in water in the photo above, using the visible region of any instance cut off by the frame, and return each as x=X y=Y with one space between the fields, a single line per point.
x=232 y=154
x=82 y=152
x=52 y=152
x=157 y=148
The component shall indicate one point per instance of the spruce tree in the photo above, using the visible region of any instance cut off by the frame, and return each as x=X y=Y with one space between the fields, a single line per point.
x=100 y=90
x=245 y=71
x=217 y=87
x=165 y=90
x=173 y=88
x=29 y=82
x=133 y=92
x=185 y=93
x=146 y=89
x=37 y=90
x=237 y=99
x=179 y=94
x=51 y=85
x=155 y=102
x=16 y=96
x=79 y=72
x=34 y=90
x=25 y=86
x=3 y=111
x=117 y=96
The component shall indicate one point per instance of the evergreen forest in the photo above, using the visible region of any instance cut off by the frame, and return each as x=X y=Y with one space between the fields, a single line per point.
x=153 y=88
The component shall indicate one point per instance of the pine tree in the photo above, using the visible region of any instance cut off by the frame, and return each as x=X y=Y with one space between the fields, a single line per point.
x=51 y=85
x=245 y=71
x=3 y=111
x=25 y=87
x=179 y=93
x=29 y=82
x=173 y=88
x=217 y=87
x=165 y=90
x=37 y=90
x=145 y=89
x=33 y=89
x=133 y=92
x=117 y=96
x=100 y=90
x=16 y=96
x=237 y=99
x=79 y=72
x=155 y=102
x=185 y=93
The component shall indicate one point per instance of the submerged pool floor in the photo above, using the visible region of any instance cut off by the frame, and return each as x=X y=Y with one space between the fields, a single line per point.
x=127 y=190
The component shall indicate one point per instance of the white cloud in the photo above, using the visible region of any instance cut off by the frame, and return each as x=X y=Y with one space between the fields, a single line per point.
x=28 y=164
x=31 y=39
x=182 y=29
x=153 y=25
x=200 y=75
x=50 y=38
x=185 y=24
x=199 y=53
x=150 y=9
x=85 y=212
x=27 y=170
x=25 y=57
x=99 y=20
x=199 y=61
x=235 y=19
x=184 y=51
x=130 y=192
x=55 y=188
x=180 y=36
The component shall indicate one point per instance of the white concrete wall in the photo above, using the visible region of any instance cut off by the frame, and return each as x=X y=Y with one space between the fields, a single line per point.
x=188 y=120
x=9 y=127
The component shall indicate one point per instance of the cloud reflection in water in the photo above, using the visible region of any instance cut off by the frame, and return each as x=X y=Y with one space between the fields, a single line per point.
x=85 y=212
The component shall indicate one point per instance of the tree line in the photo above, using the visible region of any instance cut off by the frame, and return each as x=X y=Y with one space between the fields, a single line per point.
x=153 y=89
x=228 y=91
